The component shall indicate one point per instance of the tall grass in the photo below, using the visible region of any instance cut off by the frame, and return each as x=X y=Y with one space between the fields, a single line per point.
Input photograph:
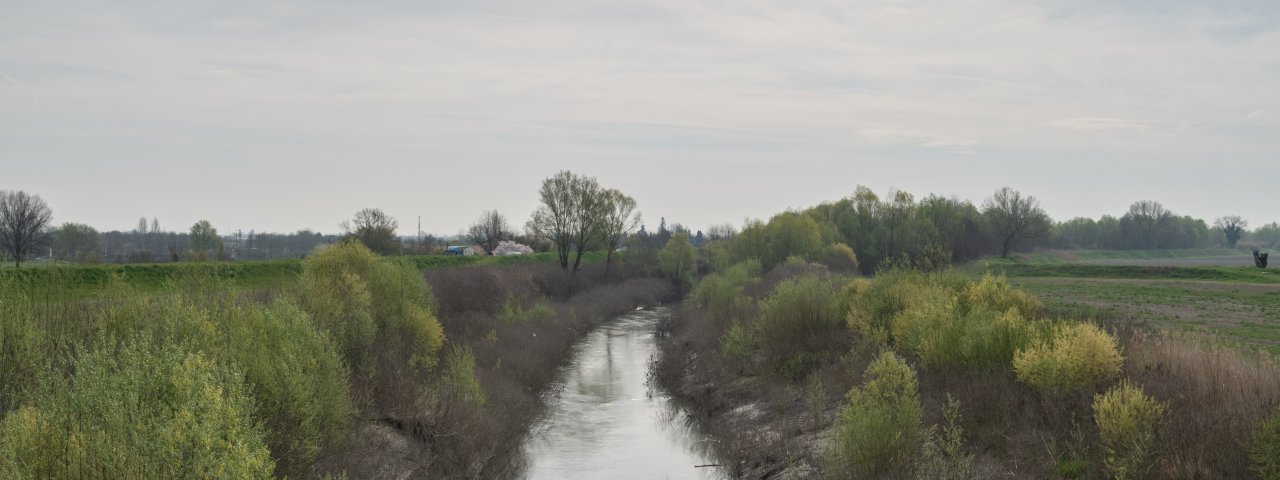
x=139 y=412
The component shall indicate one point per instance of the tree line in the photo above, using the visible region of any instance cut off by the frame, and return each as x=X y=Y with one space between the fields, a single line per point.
x=575 y=214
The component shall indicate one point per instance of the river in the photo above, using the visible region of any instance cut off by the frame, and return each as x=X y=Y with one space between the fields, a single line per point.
x=606 y=423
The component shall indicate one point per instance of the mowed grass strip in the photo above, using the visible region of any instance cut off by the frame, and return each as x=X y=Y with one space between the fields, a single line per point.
x=1015 y=269
x=1233 y=311
x=71 y=279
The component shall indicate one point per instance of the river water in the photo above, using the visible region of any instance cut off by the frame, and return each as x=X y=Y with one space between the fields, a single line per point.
x=607 y=423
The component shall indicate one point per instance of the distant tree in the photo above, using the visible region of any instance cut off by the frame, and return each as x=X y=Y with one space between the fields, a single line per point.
x=620 y=219
x=489 y=229
x=791 y=234
x=1232 y=226
x=1268 y=234
x=1145 y=223
x=1014 y=219
x=375 y=229
x=24 y=221
x=663 y=234
x=723 y=231
x=678 y=260
x=204 y=239
x=895 y=217
x=76 y=242
x=507 y=247
x=570 y=215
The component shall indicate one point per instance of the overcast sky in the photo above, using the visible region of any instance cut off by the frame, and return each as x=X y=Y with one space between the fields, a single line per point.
x=277 y=116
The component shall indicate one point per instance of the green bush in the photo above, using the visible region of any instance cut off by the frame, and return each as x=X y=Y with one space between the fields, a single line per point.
x=460 y=377
x=879 y=432
x=721 y=293
x=146 y=413
x=677 y=260
x=942 y=318
x=1073 y=356
x=796 y=322
x=359 y=298
x=1264 y=448
x=297 y=380
x=871 y=314
x=514 y=312
x=1127 y=420
x=995 y=293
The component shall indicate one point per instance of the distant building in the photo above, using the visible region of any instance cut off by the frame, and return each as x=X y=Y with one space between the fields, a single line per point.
x=460 y=250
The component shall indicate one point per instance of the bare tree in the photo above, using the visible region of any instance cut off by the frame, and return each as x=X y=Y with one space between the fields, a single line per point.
x=620 y=219
x=1232 y=226
x=1015 y=219
x=24 y=220
x=569 y=216
x=375 y=229
x=491 y=228
x=723 y=231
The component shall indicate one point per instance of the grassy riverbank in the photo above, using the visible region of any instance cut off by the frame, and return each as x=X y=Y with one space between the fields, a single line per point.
x=801 y=373
x=345 y=363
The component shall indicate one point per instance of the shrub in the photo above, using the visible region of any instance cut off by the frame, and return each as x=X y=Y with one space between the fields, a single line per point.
x=297 y=379
x=144 y=414
x=840 y=257
x=942 y=454
x=738 y=342
x=935 y=326
x=460 y=377
x=358 y=298
x=1074 y=356
x=995 y=293
x=1264 y=448
x=888 y=295
x=880 y=430
x=796 y=323
x=1127 y=421
x=721 y=293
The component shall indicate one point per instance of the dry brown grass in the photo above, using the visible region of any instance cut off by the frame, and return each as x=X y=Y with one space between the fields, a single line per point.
x=1218 y=396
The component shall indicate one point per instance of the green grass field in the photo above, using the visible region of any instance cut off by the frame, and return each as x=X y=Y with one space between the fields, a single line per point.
x=72 y=279
x=1236 y=304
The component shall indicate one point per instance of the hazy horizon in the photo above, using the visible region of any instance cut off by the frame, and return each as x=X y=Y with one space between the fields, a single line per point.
x=283 y=116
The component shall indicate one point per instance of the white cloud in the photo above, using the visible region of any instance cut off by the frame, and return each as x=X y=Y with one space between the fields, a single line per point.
x=889 y=136
x=527 y=88
x=1100 y=123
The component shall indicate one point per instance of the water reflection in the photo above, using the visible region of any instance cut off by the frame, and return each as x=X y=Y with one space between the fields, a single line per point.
x=607 y=424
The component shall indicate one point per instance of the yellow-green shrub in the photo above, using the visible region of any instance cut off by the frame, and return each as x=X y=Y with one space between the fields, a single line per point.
x=1073 y=356
x=341 y=305
x=460 y=377
x=871 y=314
x=146 y=413
x=840 y=257
x=358 y=298
x=1127 y=421
x=721 y=293
x=1264 y=448
x=297 y=380
x=880 y=430
x=995 y=293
